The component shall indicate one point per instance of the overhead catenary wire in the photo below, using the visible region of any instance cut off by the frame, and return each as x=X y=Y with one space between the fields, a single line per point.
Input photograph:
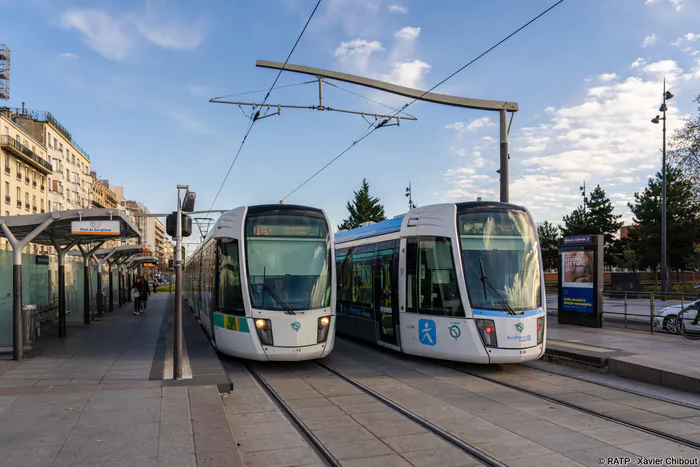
x=254 y=114
x=408 y=104
x=266 y=89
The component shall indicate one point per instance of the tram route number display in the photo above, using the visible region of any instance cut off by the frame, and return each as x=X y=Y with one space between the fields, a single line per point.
x=276 y=230
x=577 y=281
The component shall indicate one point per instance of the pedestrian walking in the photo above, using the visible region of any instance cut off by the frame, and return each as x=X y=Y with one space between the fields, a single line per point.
x=144 y=296
x=139 y=292
x=155 y=285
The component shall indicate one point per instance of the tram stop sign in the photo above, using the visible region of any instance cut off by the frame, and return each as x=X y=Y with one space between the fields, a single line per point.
x=580 y=280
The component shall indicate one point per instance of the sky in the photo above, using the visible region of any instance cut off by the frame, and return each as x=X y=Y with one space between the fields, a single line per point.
x=131 y=80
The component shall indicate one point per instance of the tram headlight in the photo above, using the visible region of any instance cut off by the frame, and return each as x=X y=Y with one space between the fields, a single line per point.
x=540 y=330
x=323 y=327
x=264 y=328
x=487 y=329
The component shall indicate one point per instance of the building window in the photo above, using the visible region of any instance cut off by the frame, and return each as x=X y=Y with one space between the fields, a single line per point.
x=19 y=169
x=19 y=195
x=41 y=203
x=55 y=143
x=34 y=201
x=34 y=175
x=7 y=191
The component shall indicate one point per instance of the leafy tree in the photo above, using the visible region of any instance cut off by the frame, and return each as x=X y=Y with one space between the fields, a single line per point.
x=363 y=209
x=549 y=241
x=682 y=222
x=596 y=217
x=685 y=149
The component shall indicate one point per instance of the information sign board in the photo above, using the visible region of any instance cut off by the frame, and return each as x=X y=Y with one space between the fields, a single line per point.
x=95 y=227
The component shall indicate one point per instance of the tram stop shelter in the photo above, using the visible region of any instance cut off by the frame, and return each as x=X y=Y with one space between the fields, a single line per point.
x=87 y=229
x=115 y=256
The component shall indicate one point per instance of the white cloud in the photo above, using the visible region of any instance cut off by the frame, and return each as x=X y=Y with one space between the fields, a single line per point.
x=475 y=124
x=677 y=4
x=637 y=63
x=650 y=40
x=109 y=36
x=115 y=36
x=605 y=138
x=355 y=54
x=605 y=77
x=407 y=34
x=398 y=9
x=409 y=74
x=68 y=56
x=686 y=39
x=186 y=120
x=169 y=33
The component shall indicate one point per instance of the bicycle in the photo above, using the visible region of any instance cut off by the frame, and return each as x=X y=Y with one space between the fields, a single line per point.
x=689 y=327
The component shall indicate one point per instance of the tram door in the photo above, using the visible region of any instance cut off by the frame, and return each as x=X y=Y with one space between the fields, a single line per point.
x=386 y=295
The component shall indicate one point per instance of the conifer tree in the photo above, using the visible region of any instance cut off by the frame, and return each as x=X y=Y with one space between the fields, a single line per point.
x=363 y=208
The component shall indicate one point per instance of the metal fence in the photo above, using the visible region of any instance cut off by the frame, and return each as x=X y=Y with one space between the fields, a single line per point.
x=640 y=310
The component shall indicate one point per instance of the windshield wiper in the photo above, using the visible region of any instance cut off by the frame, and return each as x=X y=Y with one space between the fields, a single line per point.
x=494 y=291
x=287 y=309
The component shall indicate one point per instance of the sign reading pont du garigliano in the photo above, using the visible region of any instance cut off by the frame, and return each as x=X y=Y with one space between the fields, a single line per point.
x=95 y=227
x=580 y=280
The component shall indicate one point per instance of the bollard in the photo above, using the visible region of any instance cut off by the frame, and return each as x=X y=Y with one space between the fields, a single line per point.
x=651 y=314
x=625 y=310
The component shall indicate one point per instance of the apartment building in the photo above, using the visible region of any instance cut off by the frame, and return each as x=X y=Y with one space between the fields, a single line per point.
x=102 y=195
x=70 y=185
x=26 y=168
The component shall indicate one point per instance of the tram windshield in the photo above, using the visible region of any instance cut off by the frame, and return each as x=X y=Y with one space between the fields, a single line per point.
x=500 y=257
x=288 y=259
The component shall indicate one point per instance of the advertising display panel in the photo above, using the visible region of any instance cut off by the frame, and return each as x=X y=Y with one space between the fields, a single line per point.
x=580 y=280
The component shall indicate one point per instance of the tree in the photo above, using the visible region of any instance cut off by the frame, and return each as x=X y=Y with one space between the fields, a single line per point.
x=596 y=217
x=682 y=222
x=685 y=149
x=363 y=209
x=549 y=241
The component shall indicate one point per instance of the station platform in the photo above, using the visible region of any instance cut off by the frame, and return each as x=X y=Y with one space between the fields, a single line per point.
x=661 y=359
x=101 y=396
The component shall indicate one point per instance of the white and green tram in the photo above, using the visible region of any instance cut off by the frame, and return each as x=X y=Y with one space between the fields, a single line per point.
x=460 y=282
x=262 y=283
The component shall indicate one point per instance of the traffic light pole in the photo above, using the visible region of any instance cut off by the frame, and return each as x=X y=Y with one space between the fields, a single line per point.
x=177 y=354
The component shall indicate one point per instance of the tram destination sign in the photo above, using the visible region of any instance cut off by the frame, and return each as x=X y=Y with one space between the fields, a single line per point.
x=95 y=227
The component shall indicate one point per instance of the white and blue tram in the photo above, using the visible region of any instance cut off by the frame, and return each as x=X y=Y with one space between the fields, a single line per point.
x=262 y=283
x=460 y=282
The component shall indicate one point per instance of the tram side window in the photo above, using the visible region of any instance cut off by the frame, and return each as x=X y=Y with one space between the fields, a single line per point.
x=411 y=275
x=344 y=270
x=432 y=279
x=230 y=293
x=386 y=262
x=362 y=279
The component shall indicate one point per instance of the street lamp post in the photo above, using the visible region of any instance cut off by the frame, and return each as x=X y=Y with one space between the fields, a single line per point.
x=664 y=253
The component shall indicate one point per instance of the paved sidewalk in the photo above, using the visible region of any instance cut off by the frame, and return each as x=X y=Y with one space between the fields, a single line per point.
x=97 y=398
x=662 y=359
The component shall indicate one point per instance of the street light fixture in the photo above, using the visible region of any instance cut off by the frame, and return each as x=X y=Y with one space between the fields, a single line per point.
x=664 y=267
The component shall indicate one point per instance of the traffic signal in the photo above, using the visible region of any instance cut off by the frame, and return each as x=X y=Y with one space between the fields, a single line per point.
x=170 y=264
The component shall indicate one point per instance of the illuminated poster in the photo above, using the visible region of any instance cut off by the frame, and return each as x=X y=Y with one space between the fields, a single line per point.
x=577 y=281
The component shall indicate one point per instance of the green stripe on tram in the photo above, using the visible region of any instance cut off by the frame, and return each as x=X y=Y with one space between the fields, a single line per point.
x=232 y=323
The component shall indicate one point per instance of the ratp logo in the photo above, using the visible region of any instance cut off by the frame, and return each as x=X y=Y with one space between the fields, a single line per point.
x=296 y=325
x=520 y=327
x=95 y=224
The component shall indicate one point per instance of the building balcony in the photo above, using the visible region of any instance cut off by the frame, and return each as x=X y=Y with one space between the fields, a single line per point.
x=34 y=208
x=23 y=152
x=34 y=183
x=7 y=169
x=19 y=176
x=19 y=204
x=43 y=188
x=26 y=180
x=8 y=199
x=26 y=206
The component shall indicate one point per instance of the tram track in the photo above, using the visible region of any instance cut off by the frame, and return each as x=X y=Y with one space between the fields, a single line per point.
x=573 y=406
x=667 y=400
x=324 y=453
x=553 y=400
x=459 y=443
